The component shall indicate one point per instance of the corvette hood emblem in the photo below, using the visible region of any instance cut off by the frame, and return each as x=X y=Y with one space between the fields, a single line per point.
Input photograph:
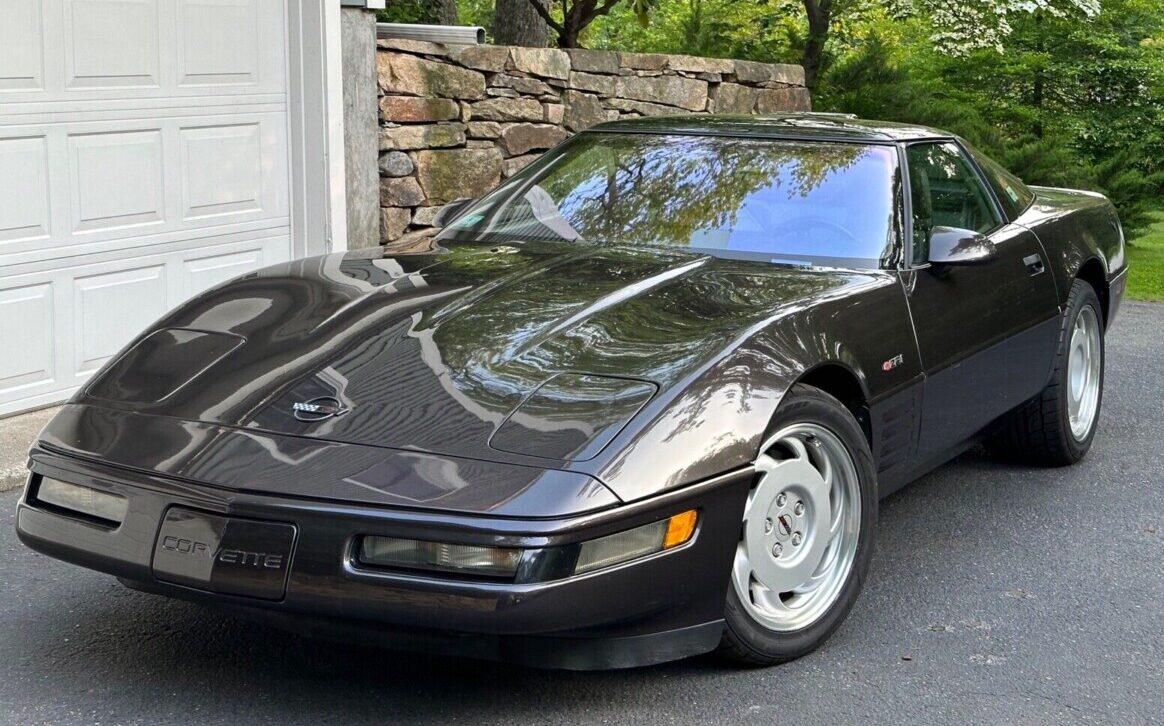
x=318 y=409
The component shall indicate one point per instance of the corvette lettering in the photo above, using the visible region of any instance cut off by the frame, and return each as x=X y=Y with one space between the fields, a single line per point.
x=228 y=556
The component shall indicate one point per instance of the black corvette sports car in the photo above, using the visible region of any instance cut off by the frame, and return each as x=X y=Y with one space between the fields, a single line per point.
x=639 y=402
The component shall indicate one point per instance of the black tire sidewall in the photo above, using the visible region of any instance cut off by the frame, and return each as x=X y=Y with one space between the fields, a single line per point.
x=805 y=404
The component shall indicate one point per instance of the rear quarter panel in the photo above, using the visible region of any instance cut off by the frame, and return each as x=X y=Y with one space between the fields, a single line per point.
x=1075 y=227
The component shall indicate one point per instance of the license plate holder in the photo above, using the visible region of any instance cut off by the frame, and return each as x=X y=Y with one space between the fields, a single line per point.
x=227 y=555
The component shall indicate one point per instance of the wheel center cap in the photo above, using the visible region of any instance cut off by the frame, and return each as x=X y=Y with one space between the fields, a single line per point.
x=783 y=487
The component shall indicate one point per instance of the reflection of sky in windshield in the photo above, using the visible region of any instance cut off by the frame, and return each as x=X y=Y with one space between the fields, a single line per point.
x=828 y=203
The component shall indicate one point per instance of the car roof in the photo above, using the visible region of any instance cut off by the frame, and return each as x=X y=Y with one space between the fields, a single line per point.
x=824 y=126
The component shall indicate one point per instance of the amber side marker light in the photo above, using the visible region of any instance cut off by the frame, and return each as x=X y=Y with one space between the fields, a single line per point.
x=638 y=542
x=679 y=529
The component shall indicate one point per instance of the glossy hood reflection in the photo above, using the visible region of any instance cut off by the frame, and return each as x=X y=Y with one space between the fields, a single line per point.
x=433 y=350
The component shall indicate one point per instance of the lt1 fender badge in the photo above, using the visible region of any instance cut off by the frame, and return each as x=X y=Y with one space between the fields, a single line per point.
x=318 y=409
x=892 y=363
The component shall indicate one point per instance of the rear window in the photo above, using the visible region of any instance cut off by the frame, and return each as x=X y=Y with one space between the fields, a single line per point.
x=804 y=202
x=1014 y=196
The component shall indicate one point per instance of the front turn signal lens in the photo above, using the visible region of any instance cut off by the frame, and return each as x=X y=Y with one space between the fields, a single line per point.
x=680 y=528
x=634 y=543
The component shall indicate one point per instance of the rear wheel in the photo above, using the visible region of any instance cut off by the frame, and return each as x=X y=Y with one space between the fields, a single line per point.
x=806 y=538
x=1056 y=427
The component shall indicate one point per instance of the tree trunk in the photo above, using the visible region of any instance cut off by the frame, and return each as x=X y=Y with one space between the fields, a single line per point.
x=568 y=38
x=819 y=16
x=445 y=12
x=515 y=22
x=693 y=27
x=572 y=23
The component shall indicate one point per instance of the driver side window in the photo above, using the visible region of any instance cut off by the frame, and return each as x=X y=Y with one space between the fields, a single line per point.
x=945 y=191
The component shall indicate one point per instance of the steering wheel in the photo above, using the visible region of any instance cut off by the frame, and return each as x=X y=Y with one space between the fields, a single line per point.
x=804 y=225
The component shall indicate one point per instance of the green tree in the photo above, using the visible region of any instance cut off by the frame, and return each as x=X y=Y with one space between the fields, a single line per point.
x=1072 y=100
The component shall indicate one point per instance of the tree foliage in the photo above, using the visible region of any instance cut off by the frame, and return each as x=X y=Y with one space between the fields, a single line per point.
x=429 y=12
x=1058 y=92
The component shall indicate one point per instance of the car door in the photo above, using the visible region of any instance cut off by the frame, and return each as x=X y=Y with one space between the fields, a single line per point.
x=986 y=332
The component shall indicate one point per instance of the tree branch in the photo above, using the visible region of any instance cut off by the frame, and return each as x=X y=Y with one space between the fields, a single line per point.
x=545 y=13
x=606 y=7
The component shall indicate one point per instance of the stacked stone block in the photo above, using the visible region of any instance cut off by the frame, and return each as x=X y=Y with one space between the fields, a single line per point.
x=456 y=120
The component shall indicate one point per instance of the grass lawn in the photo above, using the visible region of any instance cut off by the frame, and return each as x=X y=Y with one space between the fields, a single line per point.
x=1146 y=255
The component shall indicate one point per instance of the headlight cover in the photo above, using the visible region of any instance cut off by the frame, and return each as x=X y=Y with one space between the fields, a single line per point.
x=415 y=554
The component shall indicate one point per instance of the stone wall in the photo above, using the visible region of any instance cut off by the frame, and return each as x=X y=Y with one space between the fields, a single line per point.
x=455 y=120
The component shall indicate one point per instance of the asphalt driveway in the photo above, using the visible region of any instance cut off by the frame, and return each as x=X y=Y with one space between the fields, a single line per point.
x=998 y=594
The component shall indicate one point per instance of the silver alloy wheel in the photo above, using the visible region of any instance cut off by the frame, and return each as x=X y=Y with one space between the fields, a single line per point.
x=1084 y=372
x=801 y=526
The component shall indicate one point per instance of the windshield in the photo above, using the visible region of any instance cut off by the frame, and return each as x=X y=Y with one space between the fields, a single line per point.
x=801 y=202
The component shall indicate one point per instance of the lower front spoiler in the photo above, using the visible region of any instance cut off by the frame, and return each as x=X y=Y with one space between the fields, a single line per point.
x=541 y=651
x=658 y=608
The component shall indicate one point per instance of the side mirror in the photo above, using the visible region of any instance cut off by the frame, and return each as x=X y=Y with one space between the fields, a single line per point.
x=451 y=211
x=953 y=246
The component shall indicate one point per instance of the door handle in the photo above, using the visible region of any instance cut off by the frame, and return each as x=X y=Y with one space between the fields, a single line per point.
x=1034 y=264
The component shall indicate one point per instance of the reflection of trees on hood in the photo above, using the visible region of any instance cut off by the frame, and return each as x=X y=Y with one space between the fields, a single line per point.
x=508 y=331
x=668 y=187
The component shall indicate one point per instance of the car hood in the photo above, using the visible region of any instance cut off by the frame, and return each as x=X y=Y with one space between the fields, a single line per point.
x=524 y=353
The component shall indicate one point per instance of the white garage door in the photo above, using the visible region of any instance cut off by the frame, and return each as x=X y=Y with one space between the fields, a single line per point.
x=143 y=158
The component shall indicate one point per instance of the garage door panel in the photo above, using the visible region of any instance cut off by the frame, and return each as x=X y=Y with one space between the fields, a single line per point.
x=218 y=42
x=110 y=308
x=26 y=317
x=24 y=191
x=88 y=187
x=21 y=45
x=222 y=170
x=70 y=320
x=112 y=50
x=203 y=271
x=111 y=43
x=143 y=159
x=116 y=180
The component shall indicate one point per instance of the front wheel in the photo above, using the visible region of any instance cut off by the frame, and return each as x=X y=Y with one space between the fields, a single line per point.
x=807 y=534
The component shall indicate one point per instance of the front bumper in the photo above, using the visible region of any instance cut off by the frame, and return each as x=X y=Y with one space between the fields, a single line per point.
x=657 y=608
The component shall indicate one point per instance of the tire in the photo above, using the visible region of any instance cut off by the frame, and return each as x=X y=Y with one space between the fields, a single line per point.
x=1040 y=431
x=756 y=634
